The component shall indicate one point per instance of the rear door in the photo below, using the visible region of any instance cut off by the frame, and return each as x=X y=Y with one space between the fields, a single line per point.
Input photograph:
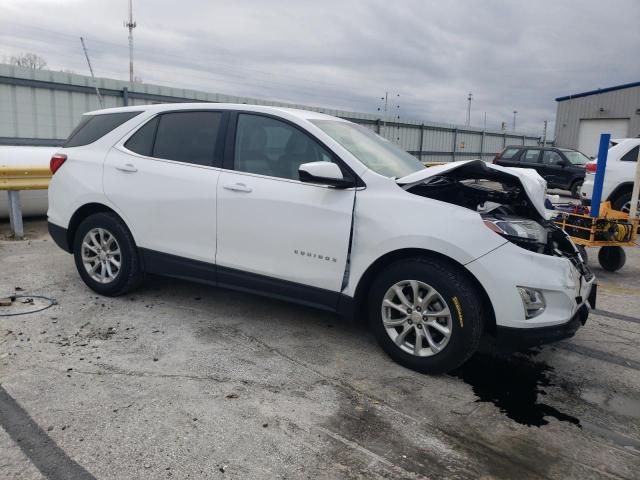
x=163 y=181
x=277 y=234
x=555 y=169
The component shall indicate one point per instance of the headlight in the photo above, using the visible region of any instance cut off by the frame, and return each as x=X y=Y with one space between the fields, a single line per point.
x=519 y=229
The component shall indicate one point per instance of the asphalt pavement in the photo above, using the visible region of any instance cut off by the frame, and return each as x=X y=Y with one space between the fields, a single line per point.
x=179 y=380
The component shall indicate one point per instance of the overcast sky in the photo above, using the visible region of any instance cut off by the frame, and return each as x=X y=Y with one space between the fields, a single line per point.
x=513 y=55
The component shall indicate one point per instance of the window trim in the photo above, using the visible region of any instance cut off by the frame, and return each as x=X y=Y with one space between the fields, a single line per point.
x=230 y=145
x=218 y=152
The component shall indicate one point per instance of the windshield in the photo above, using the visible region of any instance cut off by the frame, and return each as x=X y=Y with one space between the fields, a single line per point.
x=375 y=152
x=576 y=158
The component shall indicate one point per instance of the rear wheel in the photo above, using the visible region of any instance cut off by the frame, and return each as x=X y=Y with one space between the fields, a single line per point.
x=426 y=314
x=623 y=203
x=106 y=256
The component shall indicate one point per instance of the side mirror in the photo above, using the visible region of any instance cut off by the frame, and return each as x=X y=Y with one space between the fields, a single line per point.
x=561 y=163
x=324 y=173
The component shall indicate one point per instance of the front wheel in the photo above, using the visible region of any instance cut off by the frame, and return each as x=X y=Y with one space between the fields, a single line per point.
x=106 y=256
x=426 y=314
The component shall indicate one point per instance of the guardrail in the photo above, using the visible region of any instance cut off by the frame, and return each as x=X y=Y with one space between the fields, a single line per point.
x=13 y=179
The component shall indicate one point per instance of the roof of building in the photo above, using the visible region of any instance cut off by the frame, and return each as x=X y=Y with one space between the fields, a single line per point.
x=598 y=91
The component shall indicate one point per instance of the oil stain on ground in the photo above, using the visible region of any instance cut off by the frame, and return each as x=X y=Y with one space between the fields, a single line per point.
x=515 y=385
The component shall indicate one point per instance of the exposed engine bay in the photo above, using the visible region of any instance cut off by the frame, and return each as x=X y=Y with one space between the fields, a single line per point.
x=503 y=203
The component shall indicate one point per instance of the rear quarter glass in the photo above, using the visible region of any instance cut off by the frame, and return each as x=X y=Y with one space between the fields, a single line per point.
x=510 y=153
x=94 y=127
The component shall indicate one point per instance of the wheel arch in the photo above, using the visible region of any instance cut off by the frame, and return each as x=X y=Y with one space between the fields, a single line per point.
x=83 y=212
x=621 y=189
x=364 y=283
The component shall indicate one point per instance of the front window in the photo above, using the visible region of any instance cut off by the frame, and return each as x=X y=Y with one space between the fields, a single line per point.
x=576 y=158
x=372 y=150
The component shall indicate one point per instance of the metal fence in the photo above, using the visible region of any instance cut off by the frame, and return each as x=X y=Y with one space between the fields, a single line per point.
x=42 y=107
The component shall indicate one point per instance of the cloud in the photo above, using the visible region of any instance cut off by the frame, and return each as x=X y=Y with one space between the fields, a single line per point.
x=346 y=54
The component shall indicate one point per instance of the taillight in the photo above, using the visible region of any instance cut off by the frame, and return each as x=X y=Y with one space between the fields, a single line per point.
x=591 y=167
x=56 y=162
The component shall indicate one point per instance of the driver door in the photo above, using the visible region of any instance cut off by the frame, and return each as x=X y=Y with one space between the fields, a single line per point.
x=277 y=234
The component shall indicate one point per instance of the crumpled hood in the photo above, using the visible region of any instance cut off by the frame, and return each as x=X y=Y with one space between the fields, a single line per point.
x=534 y=185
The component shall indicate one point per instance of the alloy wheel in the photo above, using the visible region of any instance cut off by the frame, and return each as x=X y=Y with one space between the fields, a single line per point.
x=101 y=255
x=416 y=318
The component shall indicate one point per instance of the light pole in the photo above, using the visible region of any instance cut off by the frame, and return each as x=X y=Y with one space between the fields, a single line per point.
x=469 y=109
x=515 y=112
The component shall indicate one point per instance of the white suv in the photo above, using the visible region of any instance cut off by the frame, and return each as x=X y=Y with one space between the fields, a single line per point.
x=622 y=159
x=313 y=209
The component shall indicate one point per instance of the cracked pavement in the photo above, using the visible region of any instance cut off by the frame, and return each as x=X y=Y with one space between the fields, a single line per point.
x=179 y=380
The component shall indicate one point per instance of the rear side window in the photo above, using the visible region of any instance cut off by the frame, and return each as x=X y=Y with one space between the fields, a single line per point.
x=530 y=156
x=141 y=142
x=93 y=127
x=631 y=155
x=509 y=153
x=188 y=137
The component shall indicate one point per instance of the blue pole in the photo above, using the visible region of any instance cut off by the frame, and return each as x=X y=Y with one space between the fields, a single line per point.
x=596 y=197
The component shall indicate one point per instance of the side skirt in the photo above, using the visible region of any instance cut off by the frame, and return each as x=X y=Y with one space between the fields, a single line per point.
x=208 y=273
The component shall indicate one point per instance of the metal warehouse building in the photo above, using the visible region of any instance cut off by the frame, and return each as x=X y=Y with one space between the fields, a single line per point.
x=581 y=118
x=39 y=107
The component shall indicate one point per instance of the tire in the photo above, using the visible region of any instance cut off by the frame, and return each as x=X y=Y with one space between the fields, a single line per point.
x=107 y=234
x=455 y=293
x=612 y=258
x=575 y=188
x=623 y=202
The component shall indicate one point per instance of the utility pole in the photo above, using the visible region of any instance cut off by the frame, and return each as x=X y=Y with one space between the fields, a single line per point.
x=469 y=109
x=130 y=25
x=485 y=120
x=397 y=119
x=95 y=84
x=544 y=134
x=515 y=112
x=384 y=106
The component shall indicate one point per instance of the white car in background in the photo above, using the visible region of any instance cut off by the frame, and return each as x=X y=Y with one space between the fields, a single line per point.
x=622 y=159
x=320 y=211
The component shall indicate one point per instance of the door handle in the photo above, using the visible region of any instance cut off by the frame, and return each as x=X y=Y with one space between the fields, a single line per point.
x=127 y=167
x=238 y=187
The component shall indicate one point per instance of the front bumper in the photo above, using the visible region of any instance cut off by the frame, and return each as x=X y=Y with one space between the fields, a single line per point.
x=530 y=337
x=564 y=288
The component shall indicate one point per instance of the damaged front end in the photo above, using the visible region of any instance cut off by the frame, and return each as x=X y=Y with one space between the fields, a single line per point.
x=511 y=202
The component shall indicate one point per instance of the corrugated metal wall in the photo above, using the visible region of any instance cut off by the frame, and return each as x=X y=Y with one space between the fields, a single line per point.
x=42 y=107
x=617 y=104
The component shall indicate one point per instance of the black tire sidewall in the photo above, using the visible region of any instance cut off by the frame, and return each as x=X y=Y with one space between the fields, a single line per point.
x=612 y=258
x=130 y=265
x=461 y=297
x=619 y=202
